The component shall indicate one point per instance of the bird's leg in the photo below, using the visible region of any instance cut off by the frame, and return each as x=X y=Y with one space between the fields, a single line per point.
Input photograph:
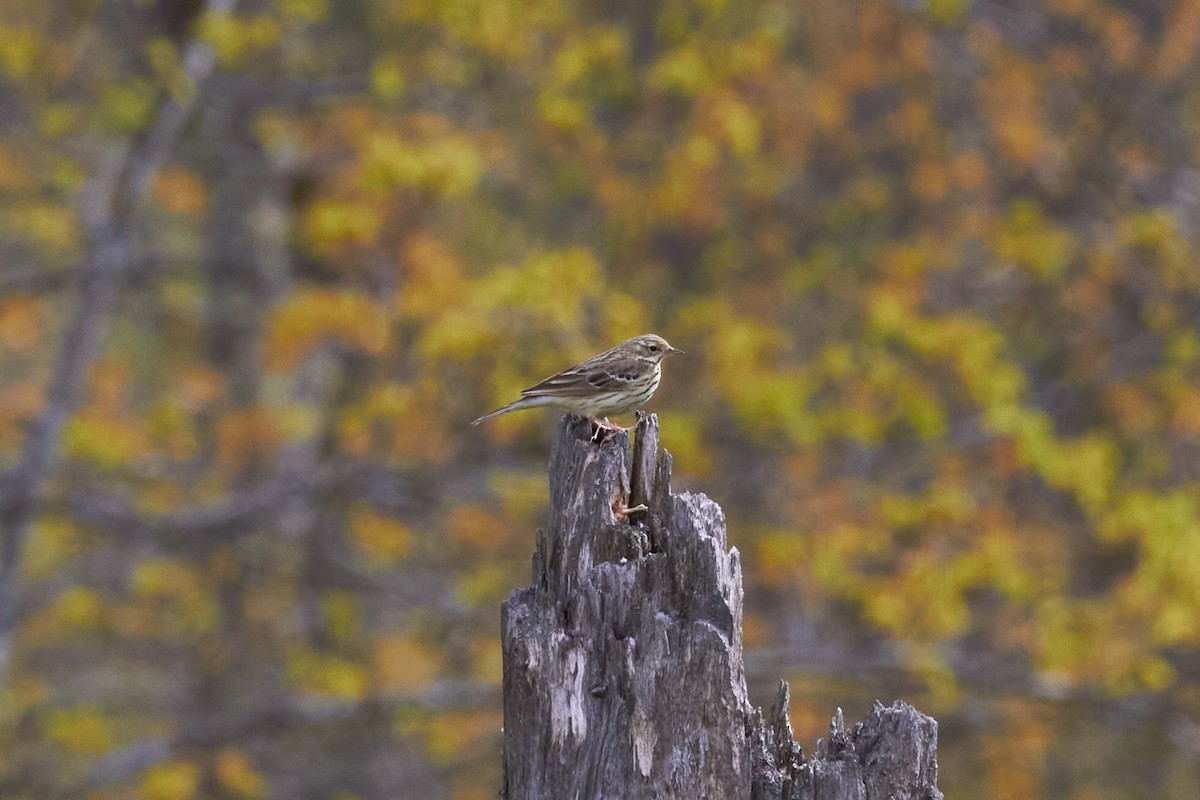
x=602 y=428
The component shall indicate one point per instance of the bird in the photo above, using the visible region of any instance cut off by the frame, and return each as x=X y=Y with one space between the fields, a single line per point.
x=616 y=381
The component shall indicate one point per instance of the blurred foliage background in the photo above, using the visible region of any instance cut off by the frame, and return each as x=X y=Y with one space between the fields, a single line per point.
x=933 y=264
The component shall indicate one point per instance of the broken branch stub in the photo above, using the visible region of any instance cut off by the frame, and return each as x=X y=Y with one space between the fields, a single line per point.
x=623 y=672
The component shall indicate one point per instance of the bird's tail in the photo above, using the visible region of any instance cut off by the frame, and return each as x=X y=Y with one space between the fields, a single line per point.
x=515 y=405
x=496 y=413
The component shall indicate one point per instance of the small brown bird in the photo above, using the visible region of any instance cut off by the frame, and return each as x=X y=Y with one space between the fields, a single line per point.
x=615 y=382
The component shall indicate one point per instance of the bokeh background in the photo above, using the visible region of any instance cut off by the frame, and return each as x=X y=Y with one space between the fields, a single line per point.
x=934 y=265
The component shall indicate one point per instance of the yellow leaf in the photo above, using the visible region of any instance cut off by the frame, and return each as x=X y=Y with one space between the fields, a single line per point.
x=780 y=556
x=49 y=228
x=163 y=57
x=1033 y=242
x=947 y=12
x=681 y=70
x=742 y=129
x=78 y=609
x=305 y=10
x=175 y=780
x=18 y=50
x=685 y=432
x=1175 y=623
x=446 y=734
x=82 y=730
x=484 y=584
x=449 y=164
x=340 y=612
x=53 y=543
x=326 y=675
x=330 y=224
x=126 y=107
x=522 y=494
x=191 y=609
x=387 y=76
x=562 y=112
x=171 y=427
x=106 y=442
x=1156 y=674
x=383 y=540
x=235 y=37
x=701 y=152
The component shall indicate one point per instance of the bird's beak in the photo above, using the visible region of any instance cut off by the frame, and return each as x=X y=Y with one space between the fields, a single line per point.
x=673 y=351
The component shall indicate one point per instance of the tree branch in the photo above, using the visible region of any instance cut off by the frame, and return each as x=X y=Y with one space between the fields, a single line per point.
x=110 y=218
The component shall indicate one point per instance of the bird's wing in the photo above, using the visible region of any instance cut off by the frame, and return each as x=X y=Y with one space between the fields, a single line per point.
x=600 y=373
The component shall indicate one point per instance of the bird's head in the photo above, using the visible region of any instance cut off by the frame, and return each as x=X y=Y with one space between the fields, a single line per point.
x=651 y=347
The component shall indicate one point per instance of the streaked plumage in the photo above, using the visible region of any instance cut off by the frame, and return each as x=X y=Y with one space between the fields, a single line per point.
x=616 y=381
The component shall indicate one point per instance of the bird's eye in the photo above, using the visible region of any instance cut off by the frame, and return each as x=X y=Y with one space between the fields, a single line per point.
x=653 y=348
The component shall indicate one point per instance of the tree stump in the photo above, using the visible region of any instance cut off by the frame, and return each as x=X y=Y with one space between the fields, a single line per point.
x=623 y=673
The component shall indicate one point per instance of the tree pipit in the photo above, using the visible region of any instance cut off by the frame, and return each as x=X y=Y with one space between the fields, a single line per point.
x=615 y=382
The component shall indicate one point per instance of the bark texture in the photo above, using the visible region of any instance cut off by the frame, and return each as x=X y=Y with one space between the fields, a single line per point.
x=623 y=673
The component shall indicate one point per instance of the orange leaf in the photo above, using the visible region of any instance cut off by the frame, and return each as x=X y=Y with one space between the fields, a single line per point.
x=181 y=192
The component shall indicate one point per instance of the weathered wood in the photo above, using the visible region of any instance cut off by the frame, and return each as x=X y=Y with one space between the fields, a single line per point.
x=623 y=673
